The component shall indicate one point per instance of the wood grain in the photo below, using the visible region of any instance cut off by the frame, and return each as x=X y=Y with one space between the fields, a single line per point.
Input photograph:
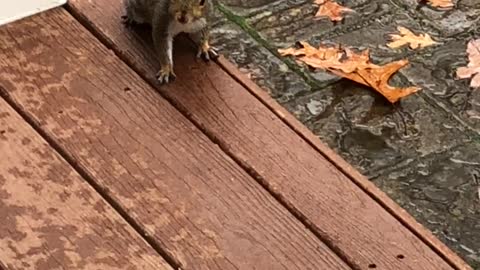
x=359 y=179
x=51 y=218
x=312 y=187
x=198 y=205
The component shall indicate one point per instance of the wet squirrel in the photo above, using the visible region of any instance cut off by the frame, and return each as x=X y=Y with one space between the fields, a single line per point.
x=167 y=19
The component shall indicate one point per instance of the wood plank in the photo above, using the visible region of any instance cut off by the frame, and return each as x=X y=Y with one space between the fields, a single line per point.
x=334 y=207
x=401 y=214
x=182 y=190
x=51 y=218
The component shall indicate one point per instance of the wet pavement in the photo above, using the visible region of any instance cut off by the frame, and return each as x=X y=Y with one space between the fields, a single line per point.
x=424 y=151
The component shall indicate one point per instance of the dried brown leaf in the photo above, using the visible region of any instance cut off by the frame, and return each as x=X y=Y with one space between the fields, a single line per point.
x=407 y=37
x=377 y=77
x=331 y=9
x=354 y=66
x=472 y=70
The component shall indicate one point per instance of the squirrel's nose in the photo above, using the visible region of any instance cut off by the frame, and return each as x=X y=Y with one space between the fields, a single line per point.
x=182 y=18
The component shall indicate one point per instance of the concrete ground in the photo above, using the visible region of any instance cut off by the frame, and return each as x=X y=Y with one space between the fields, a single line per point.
x=425 y=151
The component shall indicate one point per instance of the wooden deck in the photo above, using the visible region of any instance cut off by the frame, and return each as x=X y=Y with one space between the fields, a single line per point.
x=101 y=168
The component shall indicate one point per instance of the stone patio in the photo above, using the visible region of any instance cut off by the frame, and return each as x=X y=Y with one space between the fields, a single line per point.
x=424 y=151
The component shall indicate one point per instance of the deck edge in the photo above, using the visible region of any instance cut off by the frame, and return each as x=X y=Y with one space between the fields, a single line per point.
x=424 y=234
x=400 y=214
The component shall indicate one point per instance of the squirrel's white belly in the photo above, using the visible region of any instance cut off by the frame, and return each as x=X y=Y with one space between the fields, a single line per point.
x=193 y=27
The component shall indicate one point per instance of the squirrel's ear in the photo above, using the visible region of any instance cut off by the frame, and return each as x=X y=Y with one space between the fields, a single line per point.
x=202 y=2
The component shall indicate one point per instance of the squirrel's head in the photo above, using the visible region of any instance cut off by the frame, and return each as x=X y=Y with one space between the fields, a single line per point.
x=187 y=11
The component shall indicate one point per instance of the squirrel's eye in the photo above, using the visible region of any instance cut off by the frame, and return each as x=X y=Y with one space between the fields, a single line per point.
x=202 y=2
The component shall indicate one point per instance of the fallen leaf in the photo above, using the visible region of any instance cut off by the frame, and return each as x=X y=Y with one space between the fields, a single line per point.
x=472 y=70
x=377 y=77
x=331 y=9
x=354 y=66
x=407 y=37
x=441 y=4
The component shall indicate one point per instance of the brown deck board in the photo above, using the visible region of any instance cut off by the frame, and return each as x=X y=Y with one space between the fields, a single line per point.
x=401 y=214
x=51 y=218
x=334 y=207
x=187 y=195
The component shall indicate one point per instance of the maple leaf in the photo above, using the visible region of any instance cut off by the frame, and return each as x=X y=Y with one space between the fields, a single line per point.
x=354 y=66
x=472 y=70
x=407 y=37
x=331 y=9
x=441 y=4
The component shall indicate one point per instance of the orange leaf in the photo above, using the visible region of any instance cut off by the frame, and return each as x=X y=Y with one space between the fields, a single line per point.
x=377 y=77
x=330 y=9
x=407 y=37
x=472 y=70
x=441 y=4
x=353 y=66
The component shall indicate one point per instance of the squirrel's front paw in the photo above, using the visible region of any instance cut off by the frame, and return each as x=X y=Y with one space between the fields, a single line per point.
x=207 y=52
x=166 y=74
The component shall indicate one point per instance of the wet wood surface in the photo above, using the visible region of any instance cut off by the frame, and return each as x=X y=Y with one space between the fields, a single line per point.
x=203 y=172
x=364 y=232
x=181 y=190
x=51 y=218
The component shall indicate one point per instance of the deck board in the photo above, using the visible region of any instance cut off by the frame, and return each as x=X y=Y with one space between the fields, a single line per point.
x=196 y=203
x=51 y=218
x=360 y=180
x=334 y=207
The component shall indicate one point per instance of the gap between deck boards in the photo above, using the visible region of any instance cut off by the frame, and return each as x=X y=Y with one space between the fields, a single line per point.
x=90 y=180
x=359 y=180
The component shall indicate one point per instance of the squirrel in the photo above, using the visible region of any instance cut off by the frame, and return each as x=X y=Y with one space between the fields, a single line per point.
x=167 y=19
